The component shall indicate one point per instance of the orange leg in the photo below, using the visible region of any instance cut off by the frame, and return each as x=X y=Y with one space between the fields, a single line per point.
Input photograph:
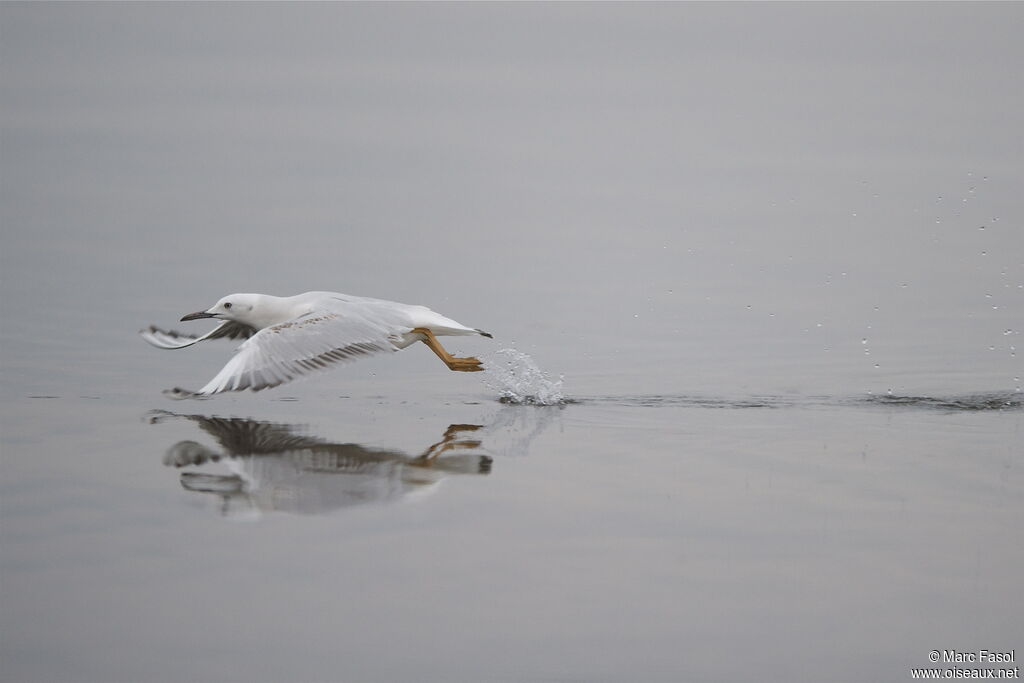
x=468 y=364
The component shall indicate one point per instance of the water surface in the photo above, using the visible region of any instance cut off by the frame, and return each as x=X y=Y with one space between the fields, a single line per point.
x=764 y=262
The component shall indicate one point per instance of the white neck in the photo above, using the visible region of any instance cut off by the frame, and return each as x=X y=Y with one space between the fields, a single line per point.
x=272 y=310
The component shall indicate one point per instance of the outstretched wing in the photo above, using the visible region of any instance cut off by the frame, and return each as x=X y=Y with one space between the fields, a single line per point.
x=291 y=349
x=170 y=339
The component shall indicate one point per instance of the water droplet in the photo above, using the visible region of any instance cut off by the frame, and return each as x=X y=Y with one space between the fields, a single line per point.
x=984 y=253
x=864 y=340
x=519 y=380
x=981 y=227
x=877 y=366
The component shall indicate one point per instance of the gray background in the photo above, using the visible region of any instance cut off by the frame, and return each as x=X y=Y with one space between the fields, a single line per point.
x=678 y=207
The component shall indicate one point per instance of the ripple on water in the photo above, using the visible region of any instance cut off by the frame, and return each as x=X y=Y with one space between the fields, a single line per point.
x=967 y=402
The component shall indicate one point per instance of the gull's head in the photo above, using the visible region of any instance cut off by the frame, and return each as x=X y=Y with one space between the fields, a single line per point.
x=240 y=308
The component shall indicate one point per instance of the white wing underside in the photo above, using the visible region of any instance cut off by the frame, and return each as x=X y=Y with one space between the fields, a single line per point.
x=312 y=342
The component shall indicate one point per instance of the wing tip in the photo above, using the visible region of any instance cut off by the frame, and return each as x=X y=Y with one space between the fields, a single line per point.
x=179 y=394
x=166 y=339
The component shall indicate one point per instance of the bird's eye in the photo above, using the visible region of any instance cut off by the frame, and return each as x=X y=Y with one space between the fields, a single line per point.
x=227 y=305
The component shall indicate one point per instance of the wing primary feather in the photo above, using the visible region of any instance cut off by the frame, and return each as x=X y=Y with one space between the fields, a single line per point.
x=172 y=339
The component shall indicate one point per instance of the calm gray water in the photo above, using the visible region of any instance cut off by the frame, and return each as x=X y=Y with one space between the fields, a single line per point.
x=774 y=254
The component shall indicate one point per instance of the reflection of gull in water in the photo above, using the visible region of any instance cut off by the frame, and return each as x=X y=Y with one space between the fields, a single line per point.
x=273 y=468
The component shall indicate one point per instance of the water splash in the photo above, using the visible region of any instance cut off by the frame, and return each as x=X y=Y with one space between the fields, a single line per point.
x=518 y=380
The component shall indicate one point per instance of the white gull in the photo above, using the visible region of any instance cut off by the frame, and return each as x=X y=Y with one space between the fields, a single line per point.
x=287 y=337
